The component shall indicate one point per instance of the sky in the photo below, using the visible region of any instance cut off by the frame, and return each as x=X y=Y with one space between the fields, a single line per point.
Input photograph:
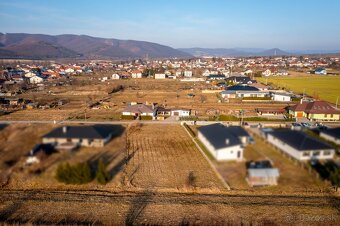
x=285 y=24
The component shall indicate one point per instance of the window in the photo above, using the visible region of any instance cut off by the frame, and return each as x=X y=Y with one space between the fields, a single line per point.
x=306 y=153
x=331 y=115
x=316 y=153
x=326 y=152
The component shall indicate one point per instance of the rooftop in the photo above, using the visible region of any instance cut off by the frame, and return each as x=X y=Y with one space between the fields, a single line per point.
x=299 y=140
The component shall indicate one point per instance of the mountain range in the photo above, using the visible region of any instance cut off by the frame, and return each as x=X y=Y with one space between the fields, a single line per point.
x=220 y=52
x=40 y=46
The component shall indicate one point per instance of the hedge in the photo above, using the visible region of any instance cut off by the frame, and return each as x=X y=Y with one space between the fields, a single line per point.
x=146 y=117
x=127 y=117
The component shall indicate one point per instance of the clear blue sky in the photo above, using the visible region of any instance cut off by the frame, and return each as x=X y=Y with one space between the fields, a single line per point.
x=286 y=24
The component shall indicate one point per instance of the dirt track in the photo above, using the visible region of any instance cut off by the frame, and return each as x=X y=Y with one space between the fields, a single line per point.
x=164 y=208
x=168 y=198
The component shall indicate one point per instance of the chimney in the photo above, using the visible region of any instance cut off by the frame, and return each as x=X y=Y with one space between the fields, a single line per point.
x=227 y=141
x=64 y=129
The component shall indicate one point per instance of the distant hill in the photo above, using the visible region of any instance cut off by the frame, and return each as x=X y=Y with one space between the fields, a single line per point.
x=220 y=52
x=40 y=46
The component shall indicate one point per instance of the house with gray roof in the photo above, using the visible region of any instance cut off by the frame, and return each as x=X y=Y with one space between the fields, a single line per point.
x=139 y=110
x=224 y=143
x=332 y=135
x=300 y=145
x=261 y=173
x=88 y=136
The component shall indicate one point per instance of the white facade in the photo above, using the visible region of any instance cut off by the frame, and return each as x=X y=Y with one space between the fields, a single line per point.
x=188 y=74
x=267 y=72
x=36 y=80
x=300 y=155
x=180 y=112
x=227 y=153
x=159 y=76
x=282 y=97
x=136 y=74
x=330 y=138
x=115 y=76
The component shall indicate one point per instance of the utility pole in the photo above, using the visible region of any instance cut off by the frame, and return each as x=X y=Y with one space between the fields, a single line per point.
x=336 y=105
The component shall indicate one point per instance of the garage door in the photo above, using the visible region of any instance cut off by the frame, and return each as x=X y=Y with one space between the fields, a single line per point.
x=299 y=114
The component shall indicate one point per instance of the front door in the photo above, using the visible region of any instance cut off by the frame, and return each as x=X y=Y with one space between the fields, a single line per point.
x=239 y=154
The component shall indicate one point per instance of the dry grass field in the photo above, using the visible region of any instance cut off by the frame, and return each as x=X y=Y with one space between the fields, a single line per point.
x=163 y=157
x=293 y=178
x=149 y=185
x=170 y=93
x=158 y=157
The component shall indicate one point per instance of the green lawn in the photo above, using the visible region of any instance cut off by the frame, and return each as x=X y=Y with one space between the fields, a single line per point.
x=320 y=87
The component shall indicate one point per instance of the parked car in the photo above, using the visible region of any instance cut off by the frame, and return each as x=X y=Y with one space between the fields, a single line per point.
x=296 y=126
x=306 y=124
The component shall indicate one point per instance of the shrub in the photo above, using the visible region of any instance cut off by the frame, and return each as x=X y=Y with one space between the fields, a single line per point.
x=192 y=179
x=146 y=117
x=335 y=177
x=128 y=117
x=188 y=118
x=102 y=176
x=228 y=118
x=76 y=174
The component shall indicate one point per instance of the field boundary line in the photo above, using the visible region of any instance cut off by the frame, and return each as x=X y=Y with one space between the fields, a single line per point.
x=208 y=160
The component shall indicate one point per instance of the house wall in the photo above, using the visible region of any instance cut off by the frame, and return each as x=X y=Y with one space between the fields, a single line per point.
x=298 y=154
x=159 y=76
x=331 y=117
x=262 y=181
x=127 y=113
x=181 y=113
x=81 y=142
x=281 y=98
x=330 y=138
x=227 y=153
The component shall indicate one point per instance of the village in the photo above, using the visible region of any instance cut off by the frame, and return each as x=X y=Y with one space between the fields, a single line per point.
x=249 y=133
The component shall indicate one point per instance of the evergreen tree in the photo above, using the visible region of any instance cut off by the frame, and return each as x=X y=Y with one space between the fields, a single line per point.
x=101 y=176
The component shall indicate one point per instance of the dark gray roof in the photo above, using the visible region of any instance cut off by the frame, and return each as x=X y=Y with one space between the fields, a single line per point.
x=334 y=132
x=299 y=140
x=246 y=88
x=89 y=132
x=217 y=134
x=237 y=131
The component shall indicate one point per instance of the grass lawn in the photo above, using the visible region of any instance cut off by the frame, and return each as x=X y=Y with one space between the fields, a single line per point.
x=322 y=87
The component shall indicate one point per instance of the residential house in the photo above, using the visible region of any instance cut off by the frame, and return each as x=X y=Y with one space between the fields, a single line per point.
x=136 y=74
x=36 y=79
x=115 y=76
x=316 y=111
x=89 y=136
x=332 y=135
x=39 y=153
x=216 y=77
x=261 y=173
x=300 y=145
x=320 y=71
x=160 y=76
x=282 y=73
x=267 y=73
x=180 y=112
x=188 y=74
x=224 y=143
x=239 y=91
x=282 y=97
x=138 y=110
